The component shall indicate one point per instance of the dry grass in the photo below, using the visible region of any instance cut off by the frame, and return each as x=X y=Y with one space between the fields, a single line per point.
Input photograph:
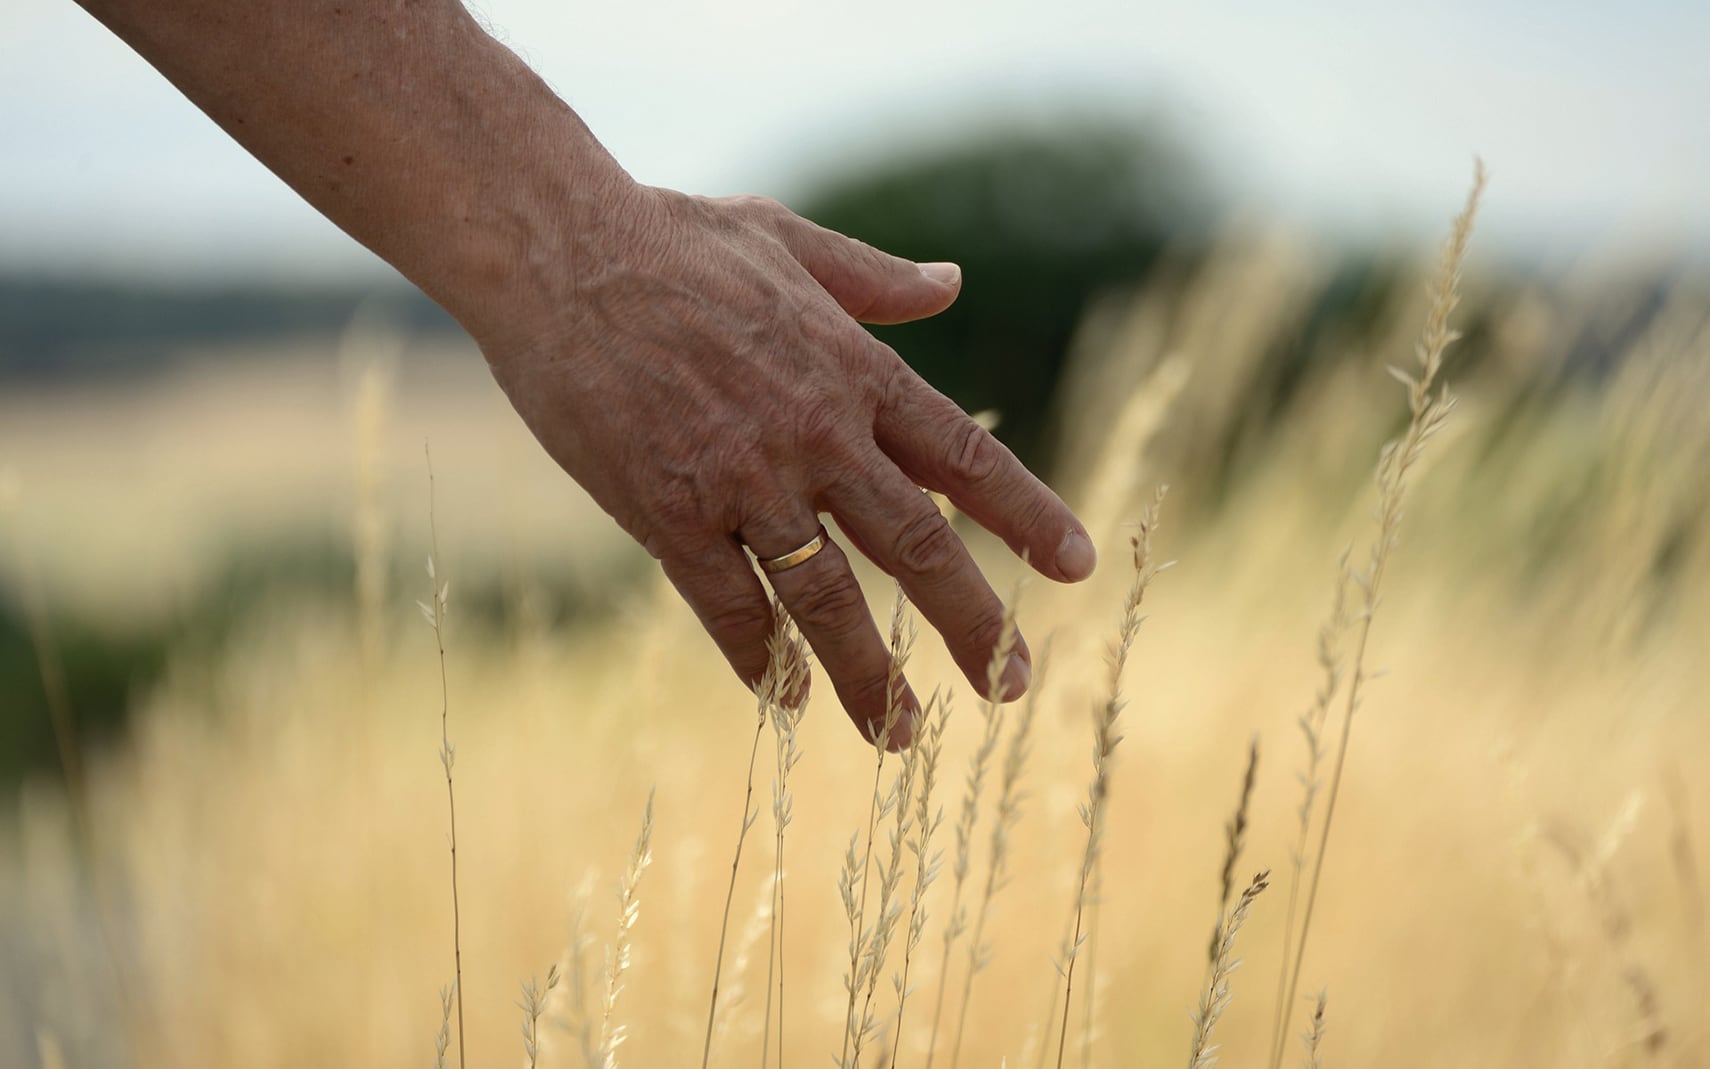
x=1004 y=821
x=1231 y=915
x=1493 y=898
x=928 y=749
x=779 y=707
x=1202 y=1053
x=309 y=445
x=533 y=1006
x=967 y=821
x=618 y=950
x=1313 y=1039
x=1105 y=739
x=1429 y=405
x=435 y=615
x=781 y=692
x=871 y=930
x=442 y=1038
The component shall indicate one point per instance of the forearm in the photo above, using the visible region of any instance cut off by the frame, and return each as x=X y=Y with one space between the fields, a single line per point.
x=695 y=364
x=405 y=124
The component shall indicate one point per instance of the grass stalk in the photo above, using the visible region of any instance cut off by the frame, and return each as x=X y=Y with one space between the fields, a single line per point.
x=759 y=927
x=577 y=1018
x=613 y=1034
x=533 y=1006
x=1105 y=739
x=442 y=1038
x=1429 y=407
x=967 y=822
x=1313 y=1037
x=1043 y=1030
x=435 y=615
x=891 y=870
x=928 y=864
x=857 y=869
x=1008 y=814
x=782 y=702
x=1089 y=1004
x=1311 y=724
x=749 y=815
x=1214 y=998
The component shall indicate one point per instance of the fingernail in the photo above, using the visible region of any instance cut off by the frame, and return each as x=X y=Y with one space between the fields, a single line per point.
x=943 y=274
x=1076 y=557
x=1017 y=674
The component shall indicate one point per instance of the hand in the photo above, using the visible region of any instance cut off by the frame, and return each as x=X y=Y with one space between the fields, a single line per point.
x=705 y=379
x=695 y=364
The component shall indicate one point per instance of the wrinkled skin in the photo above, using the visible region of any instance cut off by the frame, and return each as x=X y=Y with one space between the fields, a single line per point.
x=696 y=365
x=712 y=387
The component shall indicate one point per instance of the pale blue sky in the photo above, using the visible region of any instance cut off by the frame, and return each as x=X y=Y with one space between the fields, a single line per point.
x=1594 y=118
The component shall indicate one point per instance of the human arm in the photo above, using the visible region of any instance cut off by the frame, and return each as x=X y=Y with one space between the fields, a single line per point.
x=695 y=364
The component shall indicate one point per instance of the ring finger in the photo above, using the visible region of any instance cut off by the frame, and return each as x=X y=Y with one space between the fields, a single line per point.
x=827 y=604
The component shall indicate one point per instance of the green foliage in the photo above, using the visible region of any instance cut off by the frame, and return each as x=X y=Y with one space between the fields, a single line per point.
x=100 y=670
x=1040 y=220
x=55 y=328
x=106 y=669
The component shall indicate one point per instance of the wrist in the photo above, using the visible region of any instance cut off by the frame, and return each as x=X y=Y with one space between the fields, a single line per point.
x=407 y=125
x=531 y=195
x=535 y=245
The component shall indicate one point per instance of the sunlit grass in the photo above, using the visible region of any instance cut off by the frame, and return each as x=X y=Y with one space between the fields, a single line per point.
x=1517 y=866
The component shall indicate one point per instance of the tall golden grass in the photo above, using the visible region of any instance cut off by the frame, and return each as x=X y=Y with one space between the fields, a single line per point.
x=1520 y=826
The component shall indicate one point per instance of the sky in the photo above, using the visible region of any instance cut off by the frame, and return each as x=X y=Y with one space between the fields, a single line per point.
x=1355 y=117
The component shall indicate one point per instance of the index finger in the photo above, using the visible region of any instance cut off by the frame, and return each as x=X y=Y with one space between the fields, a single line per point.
x=943 y=449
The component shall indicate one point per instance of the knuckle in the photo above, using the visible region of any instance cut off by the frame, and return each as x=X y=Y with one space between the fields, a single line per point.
x=769 y=512
x=895 y=382
x=743 y=482
x=854 y=366
x=751 y=209
x=740 y=464
x=982 y=630
x=758 y=204
x=926 y=544
x=869 y=691
x=739 y=622
x=874 y=370
x=824 y=327
x=1036 y=524
x=829 y=602
x=656 y=544
x=673 y=512
x=974 y=455
x=820 y=422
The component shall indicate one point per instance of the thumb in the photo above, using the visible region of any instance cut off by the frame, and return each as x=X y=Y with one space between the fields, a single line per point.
x=873 y=286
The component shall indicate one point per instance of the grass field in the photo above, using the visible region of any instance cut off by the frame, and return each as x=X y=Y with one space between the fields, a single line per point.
x=1516 y=872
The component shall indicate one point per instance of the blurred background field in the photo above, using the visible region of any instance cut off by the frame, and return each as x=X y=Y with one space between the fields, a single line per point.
x=213 y=525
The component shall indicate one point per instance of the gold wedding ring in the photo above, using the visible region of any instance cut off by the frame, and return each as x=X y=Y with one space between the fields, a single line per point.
x=800 y=555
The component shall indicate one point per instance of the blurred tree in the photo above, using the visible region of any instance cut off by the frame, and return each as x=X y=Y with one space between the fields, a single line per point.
x=93 y=327
x=100 y=670
x=1041 y=219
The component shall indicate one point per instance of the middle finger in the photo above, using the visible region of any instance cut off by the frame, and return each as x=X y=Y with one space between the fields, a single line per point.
x=905 y=534
x=827 y=604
